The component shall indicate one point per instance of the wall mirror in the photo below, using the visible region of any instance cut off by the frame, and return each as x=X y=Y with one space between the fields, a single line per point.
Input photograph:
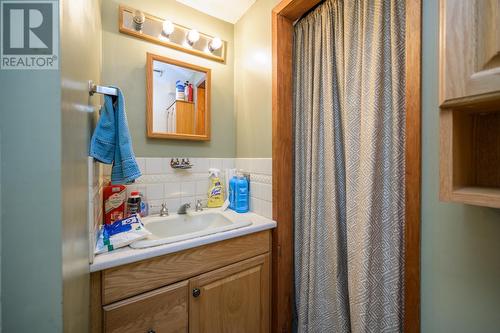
x=178 y=99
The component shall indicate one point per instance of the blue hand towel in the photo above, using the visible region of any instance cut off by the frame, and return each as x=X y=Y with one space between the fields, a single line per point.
x=111 y=142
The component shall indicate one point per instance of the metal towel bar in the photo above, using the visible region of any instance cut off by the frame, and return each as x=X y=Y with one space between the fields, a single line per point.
x=94 y=88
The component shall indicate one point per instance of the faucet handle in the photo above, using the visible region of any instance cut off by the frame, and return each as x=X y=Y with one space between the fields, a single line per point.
x=199 y=205
x=164 y=209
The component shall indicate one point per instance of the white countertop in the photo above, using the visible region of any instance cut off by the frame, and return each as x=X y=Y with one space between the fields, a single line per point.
x=128 y=255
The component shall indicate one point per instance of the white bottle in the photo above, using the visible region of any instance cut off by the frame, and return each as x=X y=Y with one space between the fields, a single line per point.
x=179 y=91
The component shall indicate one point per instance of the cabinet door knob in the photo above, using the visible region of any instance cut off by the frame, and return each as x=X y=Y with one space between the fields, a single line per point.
x=196 y=292
x=151 y=331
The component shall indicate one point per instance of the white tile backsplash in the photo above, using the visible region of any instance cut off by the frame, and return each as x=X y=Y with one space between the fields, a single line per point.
x=190 y=200
x=267 y=209
x=261 y=193
x=98 y=175
x=268 y=165
x=136 y=187
x=162 y=184
x=172 y=190
x=202 y=187
x=242 y=164
x=155 y=206
x=201 y=165
x=141 y=162
x=228 y=163
x=155 y=166
x=188 y=189
x=154 y=191
x=216 y=163
x=173 y=204
x=267 y=192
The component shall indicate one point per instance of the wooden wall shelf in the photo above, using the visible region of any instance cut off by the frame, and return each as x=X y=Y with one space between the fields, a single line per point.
x=470 y=157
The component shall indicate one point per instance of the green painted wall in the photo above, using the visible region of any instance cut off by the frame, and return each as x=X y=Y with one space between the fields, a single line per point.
x=31 y=200
x=124 y=61
x=460 y=243
x=253 y=80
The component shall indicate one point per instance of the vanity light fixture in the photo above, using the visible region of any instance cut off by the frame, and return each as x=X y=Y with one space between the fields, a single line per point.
x=215 y=44
x=139 y=19
x=168 y=27
x=193 y=36
x=165 y=32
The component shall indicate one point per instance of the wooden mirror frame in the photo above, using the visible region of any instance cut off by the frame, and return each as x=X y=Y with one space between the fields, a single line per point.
x=149 y=99
x=283 y=17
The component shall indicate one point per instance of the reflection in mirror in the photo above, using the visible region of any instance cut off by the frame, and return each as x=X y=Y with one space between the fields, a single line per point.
x=178 y=99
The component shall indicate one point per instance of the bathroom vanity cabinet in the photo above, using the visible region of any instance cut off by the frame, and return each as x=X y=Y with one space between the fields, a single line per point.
x=219 y=287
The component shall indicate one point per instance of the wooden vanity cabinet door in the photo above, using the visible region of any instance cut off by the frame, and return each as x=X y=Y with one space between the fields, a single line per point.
x=163 y=310
x=231 y=299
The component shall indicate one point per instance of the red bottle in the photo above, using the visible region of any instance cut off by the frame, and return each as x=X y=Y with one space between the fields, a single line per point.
x=190 y=92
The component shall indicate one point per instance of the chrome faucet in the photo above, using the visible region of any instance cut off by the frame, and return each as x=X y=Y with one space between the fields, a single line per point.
x=183 y=208
x=199 y=206
x=164 y=210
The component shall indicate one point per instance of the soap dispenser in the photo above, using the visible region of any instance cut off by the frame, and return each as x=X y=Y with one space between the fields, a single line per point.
x=241 y=194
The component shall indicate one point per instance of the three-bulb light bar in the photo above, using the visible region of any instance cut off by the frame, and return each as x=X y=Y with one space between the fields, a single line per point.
x=168 y=28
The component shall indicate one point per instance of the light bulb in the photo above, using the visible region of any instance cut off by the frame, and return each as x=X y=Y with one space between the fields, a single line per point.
x=168 y=27
x=193 y=36
x=138 y=19
x=215 y=44
x=139 y=16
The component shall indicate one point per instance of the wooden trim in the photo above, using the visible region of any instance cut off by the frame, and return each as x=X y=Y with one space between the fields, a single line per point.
x=413 y=165
x=480 y=196
x=131 y=32
x=283 y=16
x=129 y=280
x=294 y=9
x=149 y=99
x=484 y=102
x=282 y=153
x=95 y=303
x=445 y=149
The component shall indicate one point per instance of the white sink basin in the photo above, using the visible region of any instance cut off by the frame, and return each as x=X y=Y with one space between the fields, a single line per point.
x=175 y=228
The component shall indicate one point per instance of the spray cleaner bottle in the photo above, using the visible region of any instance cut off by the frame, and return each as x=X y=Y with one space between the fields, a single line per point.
x=216 y=190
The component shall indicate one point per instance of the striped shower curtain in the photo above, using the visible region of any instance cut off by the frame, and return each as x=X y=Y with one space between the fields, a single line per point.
x=349 y=109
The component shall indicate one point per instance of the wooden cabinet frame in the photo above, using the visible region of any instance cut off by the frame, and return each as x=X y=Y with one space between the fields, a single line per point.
x=469 y=98
x=283 y=16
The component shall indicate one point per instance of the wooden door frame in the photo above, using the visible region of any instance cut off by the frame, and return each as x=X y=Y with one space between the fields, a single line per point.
x=283 y=16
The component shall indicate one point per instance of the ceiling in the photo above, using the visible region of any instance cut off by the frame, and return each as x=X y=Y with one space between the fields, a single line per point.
x=227 y=10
